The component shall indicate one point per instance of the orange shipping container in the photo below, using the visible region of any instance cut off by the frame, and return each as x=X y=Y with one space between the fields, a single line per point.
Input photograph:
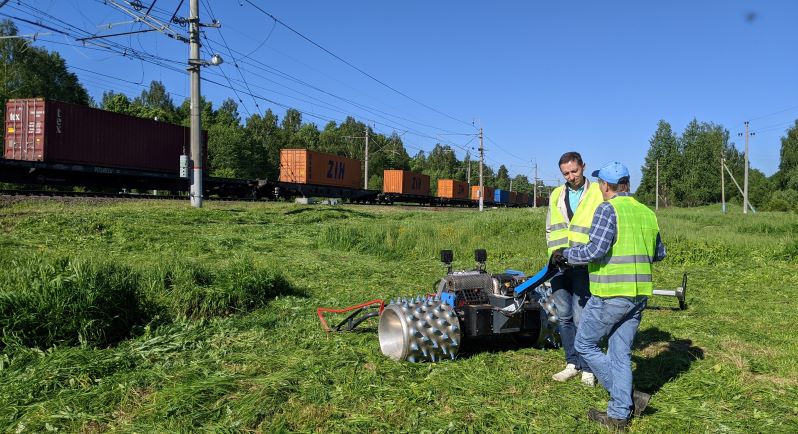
x=451 y=189
x=486 y=198
x=309 y=167
x=405 y=182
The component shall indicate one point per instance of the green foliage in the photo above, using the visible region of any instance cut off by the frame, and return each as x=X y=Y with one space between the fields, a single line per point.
x=789 y=150
x=28 y=72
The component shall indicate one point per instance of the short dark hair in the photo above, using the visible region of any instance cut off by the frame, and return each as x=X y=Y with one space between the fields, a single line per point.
x=571 y=156
x=622 y=185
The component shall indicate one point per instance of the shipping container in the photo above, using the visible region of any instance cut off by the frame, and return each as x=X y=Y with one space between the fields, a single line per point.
x=59 y=132
x=452 y=189
x=486 y=198
x=405 y=182
x=522 y=199
x=501 y=197
x=513 y=197
x=303 y=166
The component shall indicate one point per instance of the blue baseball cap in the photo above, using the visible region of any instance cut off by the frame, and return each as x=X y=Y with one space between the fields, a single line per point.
x=612 y=172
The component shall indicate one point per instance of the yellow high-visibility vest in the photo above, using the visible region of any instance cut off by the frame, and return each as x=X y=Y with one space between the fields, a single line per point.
x=565 y=234
x=626 y=269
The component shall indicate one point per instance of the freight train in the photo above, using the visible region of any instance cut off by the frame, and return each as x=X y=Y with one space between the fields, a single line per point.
x=57 y=144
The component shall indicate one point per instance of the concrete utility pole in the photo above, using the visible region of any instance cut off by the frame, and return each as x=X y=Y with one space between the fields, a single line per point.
x=468 y=173
x=656 y=190
x=535 y=188
x=481 y=162
x=722 y=184
x=366 y=181
x=746 y=203
x=196 y=121
x=511 y=184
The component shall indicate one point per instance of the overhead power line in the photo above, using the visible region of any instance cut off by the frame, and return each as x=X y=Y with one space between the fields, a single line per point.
x=277 y=20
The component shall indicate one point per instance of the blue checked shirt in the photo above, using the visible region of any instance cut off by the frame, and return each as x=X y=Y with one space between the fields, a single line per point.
x=602 y=237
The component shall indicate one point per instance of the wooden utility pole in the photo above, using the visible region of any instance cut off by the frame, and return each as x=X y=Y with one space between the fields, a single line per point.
x=656 y=190
x=481 y=162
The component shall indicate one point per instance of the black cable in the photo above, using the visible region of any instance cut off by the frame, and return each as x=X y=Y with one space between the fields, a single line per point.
x=353 y=66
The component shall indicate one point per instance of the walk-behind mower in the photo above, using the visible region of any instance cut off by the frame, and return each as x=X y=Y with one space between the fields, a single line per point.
x=466 y=305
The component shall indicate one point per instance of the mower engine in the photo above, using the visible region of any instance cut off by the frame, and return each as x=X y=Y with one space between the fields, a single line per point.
x=469 y=305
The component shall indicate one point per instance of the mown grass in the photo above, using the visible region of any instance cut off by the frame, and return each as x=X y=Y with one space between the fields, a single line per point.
x=219 y=331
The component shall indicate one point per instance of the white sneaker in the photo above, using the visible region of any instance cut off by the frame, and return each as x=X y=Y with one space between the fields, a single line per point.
x=588 y=379
x=570 y=371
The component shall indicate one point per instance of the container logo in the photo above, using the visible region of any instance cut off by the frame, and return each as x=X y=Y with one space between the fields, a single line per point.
x=14 y=117
x=335 y=169
x=58 y=121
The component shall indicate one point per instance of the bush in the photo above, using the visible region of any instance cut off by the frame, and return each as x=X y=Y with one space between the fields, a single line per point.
x=783 y=200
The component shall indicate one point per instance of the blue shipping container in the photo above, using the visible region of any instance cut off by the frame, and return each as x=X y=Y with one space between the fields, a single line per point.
x=501 y=196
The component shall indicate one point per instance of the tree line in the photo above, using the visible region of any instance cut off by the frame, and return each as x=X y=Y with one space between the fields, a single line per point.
x=690 y=169
x=689 y=163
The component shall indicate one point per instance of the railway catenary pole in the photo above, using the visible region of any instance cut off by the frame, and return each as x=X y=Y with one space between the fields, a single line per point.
x=481 y=184
x=196 y=122
x=366 y=181
x=722 y=184
x=535 y=188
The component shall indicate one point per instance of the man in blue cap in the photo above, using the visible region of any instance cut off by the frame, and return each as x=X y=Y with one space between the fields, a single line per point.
x=623 y=243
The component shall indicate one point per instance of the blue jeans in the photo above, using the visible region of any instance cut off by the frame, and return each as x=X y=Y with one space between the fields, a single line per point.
x=571 y=290
x=618 y=318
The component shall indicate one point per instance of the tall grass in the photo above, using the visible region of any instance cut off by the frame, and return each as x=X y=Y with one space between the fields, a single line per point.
x=228 y=340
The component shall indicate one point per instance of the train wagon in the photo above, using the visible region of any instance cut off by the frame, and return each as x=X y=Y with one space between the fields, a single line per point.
x=501 y=197
x=38 y=130
x=405 y=182
x=452 y=189
x=303 y=166
x=487 y=197
x=522 y=199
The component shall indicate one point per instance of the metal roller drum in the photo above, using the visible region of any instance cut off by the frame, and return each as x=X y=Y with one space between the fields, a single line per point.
x=419 y=330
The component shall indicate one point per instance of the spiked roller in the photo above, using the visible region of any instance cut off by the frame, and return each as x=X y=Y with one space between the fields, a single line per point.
x=419 y=330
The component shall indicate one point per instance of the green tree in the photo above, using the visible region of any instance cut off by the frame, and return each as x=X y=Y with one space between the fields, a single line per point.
x=663 y=147
x=28 y=72
x=787 y=176
x=264 y=136
x=155 y=103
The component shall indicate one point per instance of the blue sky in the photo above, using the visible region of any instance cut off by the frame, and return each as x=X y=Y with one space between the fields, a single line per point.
x=542 y=78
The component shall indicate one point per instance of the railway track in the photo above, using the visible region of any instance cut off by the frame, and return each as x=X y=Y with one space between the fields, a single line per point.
x=97 y=195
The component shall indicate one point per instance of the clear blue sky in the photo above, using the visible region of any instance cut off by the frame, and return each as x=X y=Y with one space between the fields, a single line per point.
x=541 y=77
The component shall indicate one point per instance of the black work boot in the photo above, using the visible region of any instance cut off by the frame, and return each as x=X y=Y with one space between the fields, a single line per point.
x=616 y=425
x=640 y=401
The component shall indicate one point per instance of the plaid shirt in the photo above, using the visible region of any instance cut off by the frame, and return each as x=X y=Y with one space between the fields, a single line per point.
x=602 y=237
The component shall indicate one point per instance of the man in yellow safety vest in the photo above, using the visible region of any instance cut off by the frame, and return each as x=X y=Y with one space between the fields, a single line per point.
x=571 y=208
x=623 y=243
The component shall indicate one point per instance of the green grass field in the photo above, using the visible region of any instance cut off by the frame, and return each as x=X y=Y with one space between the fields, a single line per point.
x=138 y=316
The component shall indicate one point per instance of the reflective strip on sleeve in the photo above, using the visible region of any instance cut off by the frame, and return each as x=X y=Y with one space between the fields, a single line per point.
x=620 y=278
x=557 y=242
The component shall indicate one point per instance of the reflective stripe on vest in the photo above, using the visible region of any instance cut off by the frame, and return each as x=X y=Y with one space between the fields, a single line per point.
x=563 y=234
x=626 y=269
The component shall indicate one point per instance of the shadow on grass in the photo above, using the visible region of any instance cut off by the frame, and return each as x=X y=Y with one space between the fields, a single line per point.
x=494 y=344
x=662 y=358
x=341 y=212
